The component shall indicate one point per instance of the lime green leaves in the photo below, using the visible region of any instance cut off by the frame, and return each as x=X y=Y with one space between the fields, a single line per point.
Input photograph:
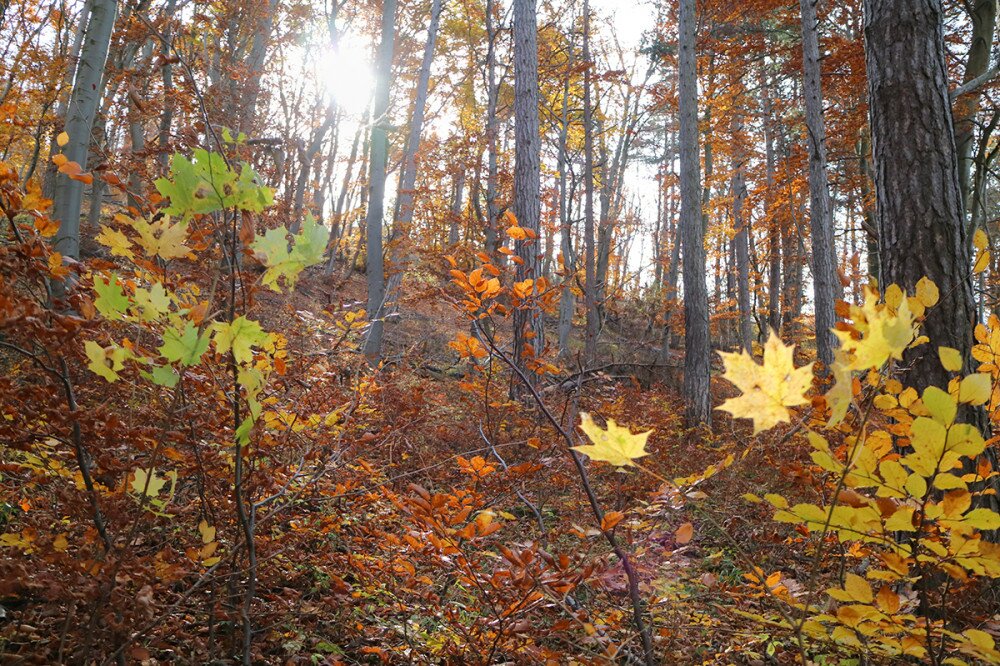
x=241 y=336
x=207 y=184
x=184 y=345
x=105 y=362
x=615 y=445
x=769 y=389
x=111 y=301
x=286 y=260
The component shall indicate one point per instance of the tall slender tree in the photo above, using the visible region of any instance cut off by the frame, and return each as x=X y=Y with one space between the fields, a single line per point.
x=84 y=101
x=377 y=162
x=697 y=349
x=826 y=285
x=527 y=167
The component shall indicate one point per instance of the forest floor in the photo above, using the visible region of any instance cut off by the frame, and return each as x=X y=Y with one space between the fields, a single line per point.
x=429 y=427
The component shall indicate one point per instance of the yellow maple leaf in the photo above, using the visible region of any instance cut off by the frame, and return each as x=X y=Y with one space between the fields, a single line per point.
x=616 y=445
x=116 y=241
x=884 y=333
x=768 y=389
x=162 y=239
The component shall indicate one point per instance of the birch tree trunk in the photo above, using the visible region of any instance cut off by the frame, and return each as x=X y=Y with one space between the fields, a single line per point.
x=378 y=157
x=697 y=350
x=826 y=285
x=82 y=109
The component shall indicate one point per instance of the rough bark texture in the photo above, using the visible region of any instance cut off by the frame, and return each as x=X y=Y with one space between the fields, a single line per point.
x=826 y=285
x=87 y=89
x=697 y=350
x=918 y=202
x=379 y=147
x=527 y=166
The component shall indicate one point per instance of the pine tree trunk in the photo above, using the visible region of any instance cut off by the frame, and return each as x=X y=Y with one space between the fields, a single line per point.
x=697 y=349
x=826 y=285
x=527 y=170
x=918 y=199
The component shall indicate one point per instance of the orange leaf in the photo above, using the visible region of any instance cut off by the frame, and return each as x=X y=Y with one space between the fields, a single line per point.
x=684 y=533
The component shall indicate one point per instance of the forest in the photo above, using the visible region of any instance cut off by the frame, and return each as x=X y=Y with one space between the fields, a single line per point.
x=499 y=332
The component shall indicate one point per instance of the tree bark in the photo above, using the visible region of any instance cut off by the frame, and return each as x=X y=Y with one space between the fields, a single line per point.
x=379 y=147
x=697 y=361
x=590 y=268
x=527 y=171
x=82 y=109
x=826 y=285
x=918 y=202
x=741 y=242
x=983 y=15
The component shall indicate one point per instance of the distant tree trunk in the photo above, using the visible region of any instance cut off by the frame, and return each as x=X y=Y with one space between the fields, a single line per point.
x=918 y=199
x=983 y=15
x=868 y=206
x=337 y=218
x=741 y=243
x=590 y=267
x=379 y=147
x=408 y=175
x=87 y=91
x=456 y=208
x=826 y=285
x=773 y=228
x=167 y=115
x=492 y=130
x=255 y=64
x=567 y=299
x=697 y=349
x=72 y=63
x=527 y=170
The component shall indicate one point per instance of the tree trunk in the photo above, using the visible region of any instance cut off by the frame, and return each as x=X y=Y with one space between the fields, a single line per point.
x=87 y=89
x=773 y=227
x=379 y=155
x=983 y=15
x=697 y=349
x=492 y=130
x=826 y=285
x=918 y=202
x=527 y=171
x=567 y=299
x=741 y=242
x=590 y=268
x=456 y=208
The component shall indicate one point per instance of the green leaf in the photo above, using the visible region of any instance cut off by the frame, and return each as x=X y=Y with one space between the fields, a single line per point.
x=941 y=405
x=151 y=303
x=242 y=335
x=164 y=375
x=105 y=362
x=186 y=346
x=111 y=301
